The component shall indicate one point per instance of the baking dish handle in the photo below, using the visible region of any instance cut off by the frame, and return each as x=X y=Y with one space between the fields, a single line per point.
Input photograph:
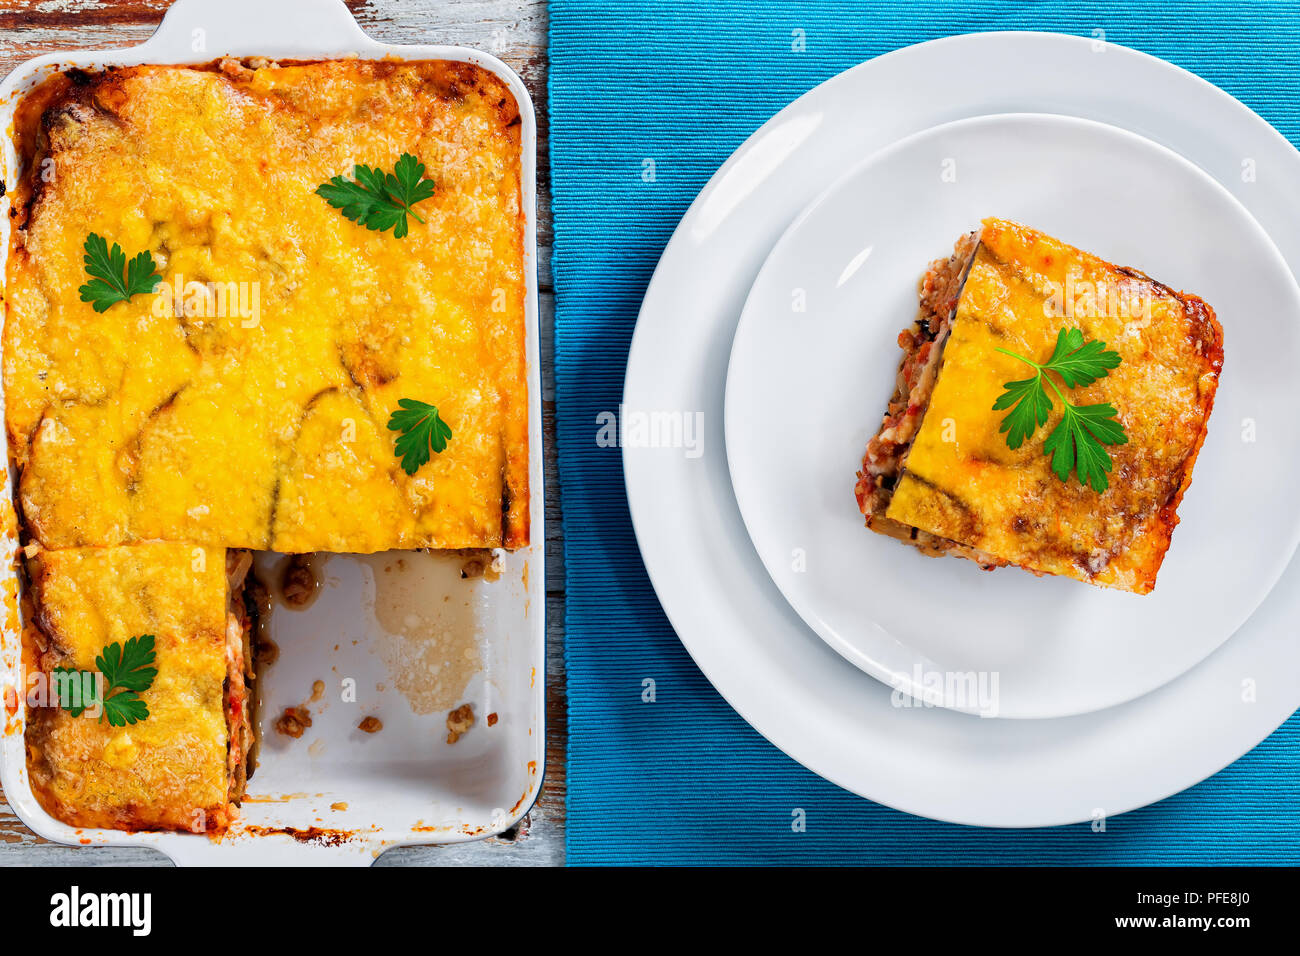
x=271 y=849
x=199 y=30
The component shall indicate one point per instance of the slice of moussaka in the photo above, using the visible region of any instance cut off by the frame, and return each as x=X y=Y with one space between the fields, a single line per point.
x=149 y=727
x=245 y=401
x=1047 y=413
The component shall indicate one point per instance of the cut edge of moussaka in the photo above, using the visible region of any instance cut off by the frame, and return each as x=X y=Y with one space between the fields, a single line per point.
x=240 y=702
x=939 y=474
x=185 y=766
x=922 y=343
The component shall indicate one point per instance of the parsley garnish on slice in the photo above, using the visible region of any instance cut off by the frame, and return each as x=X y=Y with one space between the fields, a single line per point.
x=379 y=200
x=113 y=280
x=127 y=671
x=1078 y=441
x=422 y=431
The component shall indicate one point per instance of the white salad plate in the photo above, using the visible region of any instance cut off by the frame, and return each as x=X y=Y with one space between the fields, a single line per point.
x=747 y=639
x=813 y=364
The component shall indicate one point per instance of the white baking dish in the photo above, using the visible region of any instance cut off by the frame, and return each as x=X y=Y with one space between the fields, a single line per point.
x=344 y=795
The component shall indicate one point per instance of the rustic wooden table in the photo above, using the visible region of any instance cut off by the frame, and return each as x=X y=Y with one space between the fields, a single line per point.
x=515 y=31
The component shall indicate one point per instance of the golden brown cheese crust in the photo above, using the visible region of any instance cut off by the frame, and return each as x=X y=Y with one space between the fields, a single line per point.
x=963 y=483
x=170 y=770
x=264 y=426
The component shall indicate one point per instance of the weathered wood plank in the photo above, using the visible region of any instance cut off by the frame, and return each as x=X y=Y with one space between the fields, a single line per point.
x=515 y=31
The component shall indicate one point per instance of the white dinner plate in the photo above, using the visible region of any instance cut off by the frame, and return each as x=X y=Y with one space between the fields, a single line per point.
x=776 y=672
x=814 y=361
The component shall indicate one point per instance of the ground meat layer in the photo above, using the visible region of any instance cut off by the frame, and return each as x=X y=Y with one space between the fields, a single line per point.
x=922 y=344
x=239 y=673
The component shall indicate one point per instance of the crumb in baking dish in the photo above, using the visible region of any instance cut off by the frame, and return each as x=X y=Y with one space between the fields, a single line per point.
x=459 y=721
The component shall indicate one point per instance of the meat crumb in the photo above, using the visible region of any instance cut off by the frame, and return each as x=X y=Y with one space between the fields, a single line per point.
x=492 y=719
x=293 y=722
x=234 y=69
x=480 y=561
x=298 y=586
x=371 y=725
x=459 y=721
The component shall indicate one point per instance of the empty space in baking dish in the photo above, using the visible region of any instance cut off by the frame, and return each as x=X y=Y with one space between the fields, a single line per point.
x=396 y=636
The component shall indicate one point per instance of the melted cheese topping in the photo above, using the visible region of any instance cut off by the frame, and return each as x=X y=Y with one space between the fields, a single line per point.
x=168 y=770
x=963 y=483
x=249 y=409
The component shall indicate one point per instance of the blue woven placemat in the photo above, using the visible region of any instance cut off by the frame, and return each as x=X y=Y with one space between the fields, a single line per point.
x=686 y=780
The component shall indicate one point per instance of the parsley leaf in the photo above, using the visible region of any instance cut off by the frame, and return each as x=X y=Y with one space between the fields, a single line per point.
x=124 y=708
x=76 y=689
x=130 y=667
x=422 y=430
x=1078 y=441
x=127 y=671
x=106 y=268
x=1031 y=408
x=379 y=200
x=1078 y=362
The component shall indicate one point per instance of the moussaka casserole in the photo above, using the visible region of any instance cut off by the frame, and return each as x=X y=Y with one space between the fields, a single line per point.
x=248 y=305
x=1047 y=413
